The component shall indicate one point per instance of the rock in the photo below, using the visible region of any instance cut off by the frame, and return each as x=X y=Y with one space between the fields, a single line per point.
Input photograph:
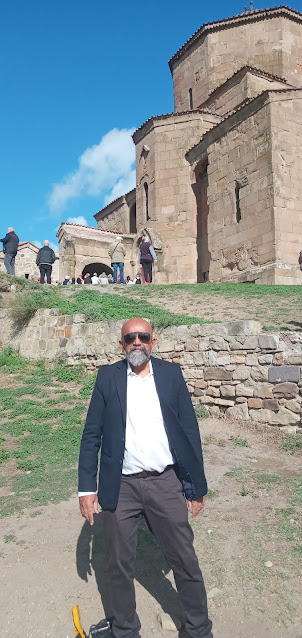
x=250 y=343
x=277 y=374
x=191 y=345
x=263 y=391
x=271 y=404
x=215 y=384
x=285 y=417
x=265 y=359
x=268 y=564
x=238 y=411
x=289 y=429
x=218 y=374
x=201 y=384
x=199 y=358
x=242 y=373
x=241 y=400
x=243 y=327
x=223 y=402
x=293 y=359
x=262 y=415
x=255 y=403
x=244 y=390
x=198 y=392
x=211 y=358
x=237 y=358
x=286 y=390
x=278 y=359
x=223 y=359
x=268 y=342
x=167 y=623
x=227 y=391
x=251 y=360
x=293 y=405
x=214 y=410
x=218 y=343
x=213 y=392
x=214 y=592
x=259 y=373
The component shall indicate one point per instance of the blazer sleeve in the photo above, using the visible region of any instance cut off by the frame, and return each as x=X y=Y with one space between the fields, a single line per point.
x=91 y=440
x=188 y=420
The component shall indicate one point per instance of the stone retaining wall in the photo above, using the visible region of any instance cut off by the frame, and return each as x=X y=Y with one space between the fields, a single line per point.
x=232 y=368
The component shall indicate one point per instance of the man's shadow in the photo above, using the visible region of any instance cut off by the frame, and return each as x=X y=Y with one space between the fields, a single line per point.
x=150 y=572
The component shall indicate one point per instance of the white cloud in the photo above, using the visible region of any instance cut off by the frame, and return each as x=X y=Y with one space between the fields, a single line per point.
x=54 y=246
x=104 y=166
x=77 y=220
x=37 y=243
x=122 y=186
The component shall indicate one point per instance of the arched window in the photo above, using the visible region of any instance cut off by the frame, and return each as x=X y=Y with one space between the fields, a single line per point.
x=190 y=99
x=132 y=219
x=146 y=189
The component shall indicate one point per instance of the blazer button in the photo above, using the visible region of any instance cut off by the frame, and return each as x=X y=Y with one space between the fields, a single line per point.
x=121 y=462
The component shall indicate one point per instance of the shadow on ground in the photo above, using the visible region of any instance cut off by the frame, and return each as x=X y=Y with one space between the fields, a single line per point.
x=151 y=568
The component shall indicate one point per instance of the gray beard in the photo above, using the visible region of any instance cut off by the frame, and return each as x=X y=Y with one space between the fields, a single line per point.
x=136 y=357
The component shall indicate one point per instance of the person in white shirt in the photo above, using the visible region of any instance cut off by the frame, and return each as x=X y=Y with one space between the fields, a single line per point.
x=95 y=279
x=142 y=418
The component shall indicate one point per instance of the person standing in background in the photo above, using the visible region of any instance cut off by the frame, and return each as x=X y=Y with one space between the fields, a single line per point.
x=146 y=258
x=45 y=258
x=10 y=248
x=117 y=253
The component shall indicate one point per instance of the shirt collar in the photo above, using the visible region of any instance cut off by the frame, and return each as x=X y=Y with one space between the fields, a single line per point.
x=130 y=371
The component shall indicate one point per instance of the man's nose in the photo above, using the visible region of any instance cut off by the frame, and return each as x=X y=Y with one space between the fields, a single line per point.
x=137 y=341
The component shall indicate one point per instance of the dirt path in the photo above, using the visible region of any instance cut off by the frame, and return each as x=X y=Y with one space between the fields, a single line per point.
x=51 y=561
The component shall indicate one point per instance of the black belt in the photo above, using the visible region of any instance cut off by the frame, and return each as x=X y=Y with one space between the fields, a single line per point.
x=146 y=473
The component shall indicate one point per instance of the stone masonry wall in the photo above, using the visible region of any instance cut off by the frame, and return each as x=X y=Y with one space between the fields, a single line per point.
x=244 y=85
x=232 y=368
x=273 y=45
x=172 y=210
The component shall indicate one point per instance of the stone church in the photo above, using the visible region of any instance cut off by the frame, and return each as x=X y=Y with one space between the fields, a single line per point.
x=219 y=180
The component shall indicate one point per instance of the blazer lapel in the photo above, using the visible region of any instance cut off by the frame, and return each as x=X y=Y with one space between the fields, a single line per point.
x=121 y=386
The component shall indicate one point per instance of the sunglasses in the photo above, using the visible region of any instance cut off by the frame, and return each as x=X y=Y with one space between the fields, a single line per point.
x=130 y=337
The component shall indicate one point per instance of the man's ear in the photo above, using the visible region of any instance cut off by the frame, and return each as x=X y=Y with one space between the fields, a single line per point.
x=153 y=341
x=121 y=344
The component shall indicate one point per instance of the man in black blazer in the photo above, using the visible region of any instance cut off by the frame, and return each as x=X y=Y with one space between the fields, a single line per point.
x=142 y=418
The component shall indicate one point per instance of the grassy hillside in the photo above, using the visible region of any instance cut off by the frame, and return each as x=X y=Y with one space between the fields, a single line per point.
x=276 y=307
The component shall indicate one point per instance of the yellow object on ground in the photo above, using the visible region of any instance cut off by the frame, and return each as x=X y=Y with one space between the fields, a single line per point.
x=79 y=632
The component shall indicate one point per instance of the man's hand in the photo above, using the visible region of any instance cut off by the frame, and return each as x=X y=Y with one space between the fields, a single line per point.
x=88 y=506
x=196 y=506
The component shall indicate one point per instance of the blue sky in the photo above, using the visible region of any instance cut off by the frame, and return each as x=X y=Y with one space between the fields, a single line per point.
x=76 y=77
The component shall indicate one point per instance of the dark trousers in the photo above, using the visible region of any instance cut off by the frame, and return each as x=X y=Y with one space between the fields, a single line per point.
x=147 y=268
x=45 y=269
x=9 y=263
x=159 y=499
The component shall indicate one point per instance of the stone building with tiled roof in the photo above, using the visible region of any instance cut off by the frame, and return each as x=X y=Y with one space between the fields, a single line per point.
x=218 y=182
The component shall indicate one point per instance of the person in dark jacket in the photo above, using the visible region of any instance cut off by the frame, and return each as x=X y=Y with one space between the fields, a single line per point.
x=10 y=248
x=45 y=258
x=146 y=258
x=142 y=419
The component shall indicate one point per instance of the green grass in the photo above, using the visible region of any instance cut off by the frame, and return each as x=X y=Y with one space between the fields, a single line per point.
x=95 y=307
x=201 y=411
x=239 y=442
x=292 y=443
x=41 y=434
x=225 y=289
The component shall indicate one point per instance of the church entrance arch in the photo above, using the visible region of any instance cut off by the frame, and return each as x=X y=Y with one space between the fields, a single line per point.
x=200 y=189
x=98 y=268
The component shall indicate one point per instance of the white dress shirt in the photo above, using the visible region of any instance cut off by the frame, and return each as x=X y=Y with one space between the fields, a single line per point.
x=146 y=443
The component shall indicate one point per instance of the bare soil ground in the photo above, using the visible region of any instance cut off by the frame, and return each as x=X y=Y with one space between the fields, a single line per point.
x=51 y=560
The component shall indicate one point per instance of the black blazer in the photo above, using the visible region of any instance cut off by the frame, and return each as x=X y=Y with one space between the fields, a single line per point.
x=105 y=428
